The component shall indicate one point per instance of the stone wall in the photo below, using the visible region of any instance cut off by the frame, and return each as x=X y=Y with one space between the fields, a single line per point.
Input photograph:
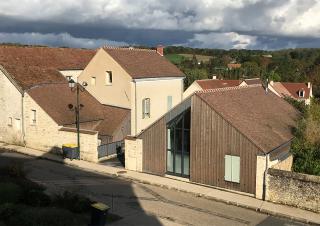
x=48 y=136
x=11 y=127
x=133 y=154
x=294 y=189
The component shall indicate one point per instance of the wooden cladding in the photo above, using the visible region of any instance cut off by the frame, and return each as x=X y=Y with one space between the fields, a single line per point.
x=212 y=138
x=154 y=148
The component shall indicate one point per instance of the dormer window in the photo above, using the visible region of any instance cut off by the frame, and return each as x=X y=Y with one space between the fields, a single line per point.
x=301 y=93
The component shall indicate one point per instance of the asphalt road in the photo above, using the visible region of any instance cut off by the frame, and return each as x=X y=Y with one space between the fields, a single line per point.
x=139 y=204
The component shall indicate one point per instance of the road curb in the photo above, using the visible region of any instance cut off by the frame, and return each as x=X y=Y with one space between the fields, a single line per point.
x=133 y=179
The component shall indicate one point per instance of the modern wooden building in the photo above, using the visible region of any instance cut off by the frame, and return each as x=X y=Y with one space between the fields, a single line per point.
x=225 y=138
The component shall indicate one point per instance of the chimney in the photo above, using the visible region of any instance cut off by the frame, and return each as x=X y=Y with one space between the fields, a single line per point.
x=271 y=83
x=309 y=85
x=160 y=49
x=214 y=77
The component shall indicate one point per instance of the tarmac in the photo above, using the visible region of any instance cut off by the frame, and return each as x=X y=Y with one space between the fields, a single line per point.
x=216 y=194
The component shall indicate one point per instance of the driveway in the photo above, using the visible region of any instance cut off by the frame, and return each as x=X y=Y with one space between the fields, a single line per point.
x=139 y=204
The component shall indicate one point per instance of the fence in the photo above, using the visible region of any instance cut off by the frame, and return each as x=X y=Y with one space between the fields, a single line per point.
x=105 y=150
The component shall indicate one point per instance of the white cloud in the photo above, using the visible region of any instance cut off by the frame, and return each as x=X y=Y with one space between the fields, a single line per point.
x=243 y=20
x=229 y=40
x=62 y=39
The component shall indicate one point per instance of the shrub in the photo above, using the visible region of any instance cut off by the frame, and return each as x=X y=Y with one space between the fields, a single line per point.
x=72 y=202
x=36 y=197
x=9 y=193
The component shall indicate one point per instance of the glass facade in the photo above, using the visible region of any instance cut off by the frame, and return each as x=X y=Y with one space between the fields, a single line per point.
x=178 y=145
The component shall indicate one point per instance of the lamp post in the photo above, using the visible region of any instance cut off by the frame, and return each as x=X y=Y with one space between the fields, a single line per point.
x=76 y=87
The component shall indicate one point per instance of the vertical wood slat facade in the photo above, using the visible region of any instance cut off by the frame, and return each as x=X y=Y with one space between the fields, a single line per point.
x=154 y=148
x=212 y=138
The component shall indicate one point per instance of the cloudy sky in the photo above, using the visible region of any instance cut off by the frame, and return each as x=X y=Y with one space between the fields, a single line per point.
x=225 y=24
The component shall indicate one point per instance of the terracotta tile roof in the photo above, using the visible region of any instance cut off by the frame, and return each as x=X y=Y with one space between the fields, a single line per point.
x=291 y=89
x=216 y=83
x=30 y=66
x=113 y=118
x=54 y=100
x=143 y=63
x=253 y=81
x=266 y=119
x=233 y=66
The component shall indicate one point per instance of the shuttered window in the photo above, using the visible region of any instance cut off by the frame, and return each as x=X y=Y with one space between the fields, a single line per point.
x=232 y=168
x=146 y=108
x=169 y=102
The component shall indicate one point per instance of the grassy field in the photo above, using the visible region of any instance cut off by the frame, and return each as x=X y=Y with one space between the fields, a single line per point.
x=178 y=58
x=202 y=58
x=175 y=58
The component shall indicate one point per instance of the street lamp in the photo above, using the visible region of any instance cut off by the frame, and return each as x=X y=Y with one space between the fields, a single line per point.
x=76 y=87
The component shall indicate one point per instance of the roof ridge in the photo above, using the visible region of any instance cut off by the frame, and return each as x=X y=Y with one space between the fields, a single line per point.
x=228 y=88
x=127 y=48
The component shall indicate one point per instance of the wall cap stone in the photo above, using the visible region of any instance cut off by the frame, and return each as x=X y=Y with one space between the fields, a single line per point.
x=294 y=175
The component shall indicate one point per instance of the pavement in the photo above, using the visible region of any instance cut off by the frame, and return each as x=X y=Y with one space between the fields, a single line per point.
x=209 y=193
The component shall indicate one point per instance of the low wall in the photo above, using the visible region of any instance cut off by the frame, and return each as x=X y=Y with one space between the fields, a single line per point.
x=294 y=189
x=133 y=154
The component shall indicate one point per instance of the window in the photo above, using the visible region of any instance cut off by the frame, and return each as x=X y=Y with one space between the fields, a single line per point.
x=301 y=93
x=146 y=108
x=232 y=168
x=69 y=77
x=169 y=102
x=93 y=81
x=33 y=117
x=18 y=124
x=10 y=121
x=108 y=77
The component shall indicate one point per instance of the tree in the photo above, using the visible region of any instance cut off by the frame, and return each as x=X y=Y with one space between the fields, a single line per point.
x=306 y=144
x=194 y=74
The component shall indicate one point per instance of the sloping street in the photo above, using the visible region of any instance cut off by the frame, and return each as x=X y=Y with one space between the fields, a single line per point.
x=138 y=204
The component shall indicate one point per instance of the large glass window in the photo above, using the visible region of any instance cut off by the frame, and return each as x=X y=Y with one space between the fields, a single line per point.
x=178 y=145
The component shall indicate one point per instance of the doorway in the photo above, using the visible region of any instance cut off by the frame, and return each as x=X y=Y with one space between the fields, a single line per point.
x=178 y=145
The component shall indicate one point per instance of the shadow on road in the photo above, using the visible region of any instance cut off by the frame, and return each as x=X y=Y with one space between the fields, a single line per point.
x=119 y=195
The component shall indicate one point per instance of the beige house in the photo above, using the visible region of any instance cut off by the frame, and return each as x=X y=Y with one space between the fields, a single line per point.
x=34 y=98
x=141 y=80
x=297 y=91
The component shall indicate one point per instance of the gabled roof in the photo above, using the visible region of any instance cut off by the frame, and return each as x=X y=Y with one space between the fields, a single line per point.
x=291 y=89
x=113 y=118
x=143 y=63
x=30 y=66
x=216 y=83
x=265 y=119
x=54 y=100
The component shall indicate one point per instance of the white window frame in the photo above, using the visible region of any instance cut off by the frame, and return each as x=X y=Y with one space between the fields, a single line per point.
x=93 y=81
x=146 y=108
x=301 y=92
x=232 y=168
x=109 y=78
x=33 y=117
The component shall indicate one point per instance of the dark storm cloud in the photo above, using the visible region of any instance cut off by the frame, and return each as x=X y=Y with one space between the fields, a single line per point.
x=254 y=24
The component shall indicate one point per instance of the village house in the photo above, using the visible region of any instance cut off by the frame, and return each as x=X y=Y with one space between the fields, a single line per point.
x=297 y=91
x=34 y=99
x=214 y=83
x=222 y=137
x=141 y=80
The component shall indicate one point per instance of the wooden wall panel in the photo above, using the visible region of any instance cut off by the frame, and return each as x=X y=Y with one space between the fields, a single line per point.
x=154 y=148
x=212 y=138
